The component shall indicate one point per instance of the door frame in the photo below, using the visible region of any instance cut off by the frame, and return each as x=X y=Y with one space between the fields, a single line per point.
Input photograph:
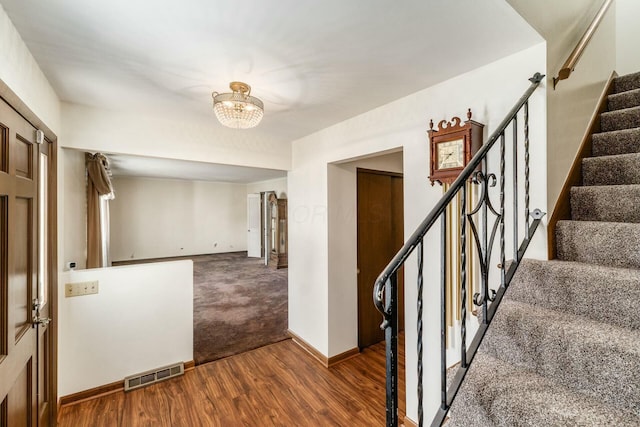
x=10 y=97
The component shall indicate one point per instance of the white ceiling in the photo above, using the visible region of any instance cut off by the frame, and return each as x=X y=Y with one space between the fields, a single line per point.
x=313 y=63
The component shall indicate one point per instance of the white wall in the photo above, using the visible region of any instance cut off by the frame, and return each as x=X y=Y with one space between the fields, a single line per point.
x=21 y=73
x=155 y=218
x=141 y=319
x=73 y=202
x=93 y=129
x=343 y=248
x=278 y=185
x=627 y=36
x=490 y=92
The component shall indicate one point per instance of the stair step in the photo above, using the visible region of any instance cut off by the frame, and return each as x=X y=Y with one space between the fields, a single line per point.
x=603 y=294
x=620 y=119
x=616 y=142
x=628 y=82
x=619 y=169
x=620 y=101
x=613 y=244
x=497 y=394
x=593 y=358
x=610 y=203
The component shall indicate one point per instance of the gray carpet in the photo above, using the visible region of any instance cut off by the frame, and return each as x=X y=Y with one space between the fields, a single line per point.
x=239 y=304
x=564 y=346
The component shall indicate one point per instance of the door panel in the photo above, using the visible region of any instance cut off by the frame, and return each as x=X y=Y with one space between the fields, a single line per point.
x=18 y=263
x=4 y=148
x=4 y=276
x=19 y=402
x=380 y=236
x=20 y=283
x=23 y=155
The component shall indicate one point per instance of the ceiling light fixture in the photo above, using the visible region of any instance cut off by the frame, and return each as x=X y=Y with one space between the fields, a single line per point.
x=238 y=109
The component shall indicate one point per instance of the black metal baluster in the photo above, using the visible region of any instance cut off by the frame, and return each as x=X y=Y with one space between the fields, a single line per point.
x=514 y=123
x=391 y=338
x=443 y=311
x=485 y=250
x=420 y=250
x=526 y=167
x=502 y=255
x=463 y=276
x=385 y=293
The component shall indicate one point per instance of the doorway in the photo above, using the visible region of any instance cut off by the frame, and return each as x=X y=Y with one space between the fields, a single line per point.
x=380 y=224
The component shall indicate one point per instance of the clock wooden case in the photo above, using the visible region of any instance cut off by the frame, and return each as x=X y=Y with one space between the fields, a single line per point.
x=278 y=251
x=452 y=146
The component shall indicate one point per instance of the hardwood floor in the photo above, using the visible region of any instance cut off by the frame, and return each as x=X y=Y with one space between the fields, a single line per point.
x=277 y=385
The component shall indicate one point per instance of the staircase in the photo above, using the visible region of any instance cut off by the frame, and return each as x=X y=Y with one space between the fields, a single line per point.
x=564 y=346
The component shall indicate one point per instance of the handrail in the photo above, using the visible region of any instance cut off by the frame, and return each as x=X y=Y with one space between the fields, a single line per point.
x=570 y=64
x=385 y=288
x=440 y=207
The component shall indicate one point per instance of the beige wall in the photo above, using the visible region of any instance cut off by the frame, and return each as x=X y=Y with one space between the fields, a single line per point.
x=73 y=200
x=195 y=200
x=572 y=103
x=153 y=218
x=278 y=185
x=627 y=36
x=20 y=73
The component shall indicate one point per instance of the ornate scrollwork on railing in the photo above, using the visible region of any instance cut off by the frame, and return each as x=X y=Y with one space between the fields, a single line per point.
x=456 y=195
x=485 y=181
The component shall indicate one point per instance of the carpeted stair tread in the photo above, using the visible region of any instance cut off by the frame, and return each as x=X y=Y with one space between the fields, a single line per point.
x=616 y=142
x=612 y=244
x=621 y=119
x=564 y=346
x=577 y=288
x=627 y=82
x=623 y=100
x=498 y=394
x=611 y=203
x=593 y=358
x=619 y=169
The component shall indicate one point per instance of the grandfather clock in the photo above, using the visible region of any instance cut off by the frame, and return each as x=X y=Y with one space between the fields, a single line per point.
x=278 y=239
x=452 y=146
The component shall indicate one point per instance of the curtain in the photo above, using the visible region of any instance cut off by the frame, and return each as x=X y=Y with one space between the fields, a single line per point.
x=98 y=184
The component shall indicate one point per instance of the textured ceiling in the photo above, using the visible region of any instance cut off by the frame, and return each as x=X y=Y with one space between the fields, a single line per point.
x=313 y=63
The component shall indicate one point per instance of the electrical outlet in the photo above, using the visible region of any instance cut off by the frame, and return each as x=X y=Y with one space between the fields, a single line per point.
x=80 y=288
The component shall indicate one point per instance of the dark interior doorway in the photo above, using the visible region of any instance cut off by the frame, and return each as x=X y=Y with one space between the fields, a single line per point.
x=380 y=215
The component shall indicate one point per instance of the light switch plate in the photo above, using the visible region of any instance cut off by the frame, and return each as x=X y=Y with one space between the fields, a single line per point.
x=80 y=289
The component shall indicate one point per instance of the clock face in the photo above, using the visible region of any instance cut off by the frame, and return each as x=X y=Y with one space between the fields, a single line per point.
x=450 y=154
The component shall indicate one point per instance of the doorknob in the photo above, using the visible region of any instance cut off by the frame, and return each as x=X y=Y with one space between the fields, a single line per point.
x=37 y=320
x=40 y=321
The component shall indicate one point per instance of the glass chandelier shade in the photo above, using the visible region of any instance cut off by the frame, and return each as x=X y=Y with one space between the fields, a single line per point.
x=238 y=109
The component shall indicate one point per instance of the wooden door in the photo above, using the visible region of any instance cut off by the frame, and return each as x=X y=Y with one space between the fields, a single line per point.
x=380 y=236
x=19 y=156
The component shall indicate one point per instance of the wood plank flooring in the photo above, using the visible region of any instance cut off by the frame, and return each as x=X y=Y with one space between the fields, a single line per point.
x=277 y=385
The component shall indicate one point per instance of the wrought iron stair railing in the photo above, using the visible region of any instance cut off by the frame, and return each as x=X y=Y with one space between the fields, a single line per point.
x=385 y=292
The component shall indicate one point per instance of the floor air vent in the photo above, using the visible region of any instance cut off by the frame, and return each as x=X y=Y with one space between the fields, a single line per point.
x=154 y=376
